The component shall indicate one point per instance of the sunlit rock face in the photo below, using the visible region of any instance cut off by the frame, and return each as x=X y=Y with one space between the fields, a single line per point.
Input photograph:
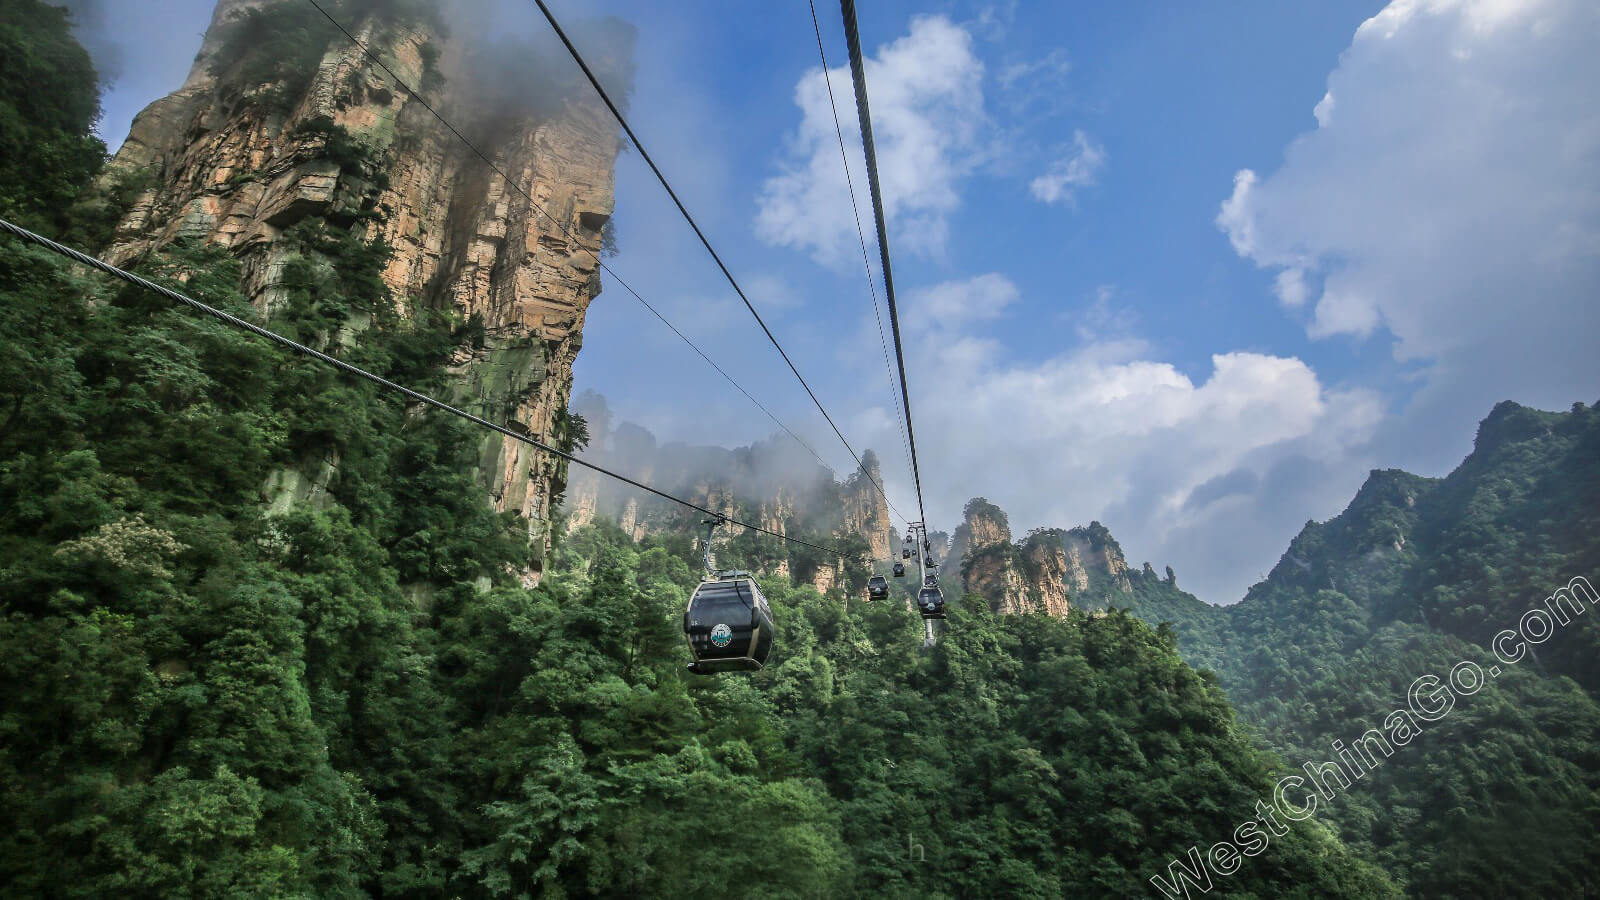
x=235 y=161
x=1052 y=576
x=984 y=525
x=1049 y=571
x=990 y=564
x=866 y=510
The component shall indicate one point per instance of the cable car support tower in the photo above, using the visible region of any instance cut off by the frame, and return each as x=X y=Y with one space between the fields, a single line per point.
x=929 y=598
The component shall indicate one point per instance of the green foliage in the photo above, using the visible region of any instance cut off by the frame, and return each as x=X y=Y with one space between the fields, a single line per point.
x=95 y=214
x=261 y=633
x=570 y=433
x=197 y=687
x=334 y=280
x=1415 y=576
x=193 y=686
x=49 y=100
x=274 y=48
x=338 y=145
x=981 y=507
x=350 y=695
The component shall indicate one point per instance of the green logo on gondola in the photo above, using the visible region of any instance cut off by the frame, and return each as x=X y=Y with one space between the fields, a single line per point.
x=722 y=635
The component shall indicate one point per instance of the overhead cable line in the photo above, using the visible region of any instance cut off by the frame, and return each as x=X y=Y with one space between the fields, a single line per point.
x=628 y=129
x=235 y=321
x=855 y=209
x=399 y=82
x=858 y=74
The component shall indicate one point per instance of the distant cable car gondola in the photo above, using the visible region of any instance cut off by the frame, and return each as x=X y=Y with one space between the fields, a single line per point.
x=899 y=570
x=877 y=587
x=929 y=562
x=930 y=600
x=728 y=624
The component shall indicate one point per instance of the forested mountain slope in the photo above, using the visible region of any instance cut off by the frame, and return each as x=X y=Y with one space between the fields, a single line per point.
x=210 y=694
x=205 y=698
x=1499 y=798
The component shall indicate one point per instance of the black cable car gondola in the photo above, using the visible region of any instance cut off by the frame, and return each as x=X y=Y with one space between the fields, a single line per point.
x=899 y=570
x=930 y=600
x=877 y=587
x=728 y=625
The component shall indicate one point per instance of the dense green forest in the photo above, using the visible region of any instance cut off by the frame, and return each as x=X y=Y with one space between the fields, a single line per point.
x=1501 y=798
x=213 y=691
x=208 y=694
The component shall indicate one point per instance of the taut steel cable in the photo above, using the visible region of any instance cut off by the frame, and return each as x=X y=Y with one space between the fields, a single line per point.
x=235 y=321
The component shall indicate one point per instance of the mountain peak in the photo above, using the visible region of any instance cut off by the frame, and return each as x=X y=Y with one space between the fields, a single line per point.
x=1510 y=423
x=1047 y=571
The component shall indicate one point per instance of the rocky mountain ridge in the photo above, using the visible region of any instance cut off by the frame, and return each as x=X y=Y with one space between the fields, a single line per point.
x=774 y=484
x=1415 y=577
x=1051 y=570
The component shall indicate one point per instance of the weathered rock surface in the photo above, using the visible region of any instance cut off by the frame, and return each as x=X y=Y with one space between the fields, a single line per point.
x=1050 y=571
x=774 y=484
x=983 y=525
x=865 y=510
x=583 y=499
x=231 y=172
x=1051 y=576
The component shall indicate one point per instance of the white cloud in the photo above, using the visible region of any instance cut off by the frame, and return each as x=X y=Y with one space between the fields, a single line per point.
x=1104 y=321
x=1237 y=217
x=1031 y=91
x=1450 y=194
x=1345 y=311
x=772 y=292
x=953 y=305
x=1105 y=431
x=1291 y=288
x=1052 y=68
x=995 y=20
x=928 y=116
x=1079 y=168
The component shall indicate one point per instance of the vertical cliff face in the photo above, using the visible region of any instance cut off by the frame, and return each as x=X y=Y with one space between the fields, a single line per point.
x=983 y=525
x=1050 y=575
x=1097 y=559
x=1076 y=573
x=774 y=484
x=1049 y=571
x=990 y=564
x=630 y=523
x=583 y=499
x=865 y=510
x=238 y=161
x=775 y=516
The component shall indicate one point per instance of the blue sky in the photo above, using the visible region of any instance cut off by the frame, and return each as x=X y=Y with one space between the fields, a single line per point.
x=1186 y=269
